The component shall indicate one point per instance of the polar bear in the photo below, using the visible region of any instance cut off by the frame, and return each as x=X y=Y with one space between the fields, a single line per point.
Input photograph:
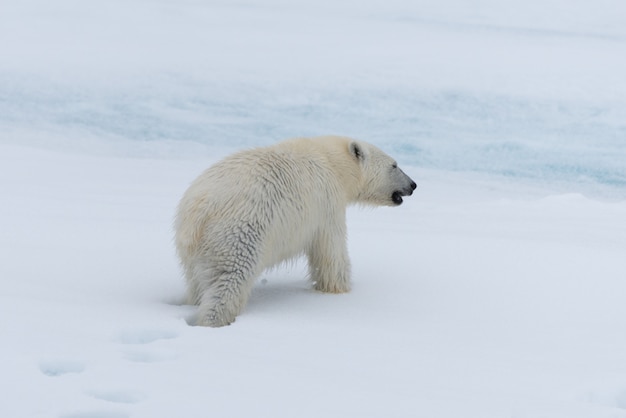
x=260 y=207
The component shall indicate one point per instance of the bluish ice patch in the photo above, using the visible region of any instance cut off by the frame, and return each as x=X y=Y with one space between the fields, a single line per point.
x=538 y=139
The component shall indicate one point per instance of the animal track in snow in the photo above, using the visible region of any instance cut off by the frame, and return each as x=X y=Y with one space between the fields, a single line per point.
x=117 y=396
x=149 y=357
x=60 y=367
x=140 y=337
x=145 y=336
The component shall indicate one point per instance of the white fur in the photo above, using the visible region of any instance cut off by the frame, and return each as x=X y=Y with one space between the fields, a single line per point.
x=263 y=206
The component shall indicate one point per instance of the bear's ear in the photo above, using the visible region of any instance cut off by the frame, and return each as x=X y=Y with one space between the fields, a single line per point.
x=356 y=151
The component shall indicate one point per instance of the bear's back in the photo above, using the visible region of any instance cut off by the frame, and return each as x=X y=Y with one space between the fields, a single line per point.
x=283 y=191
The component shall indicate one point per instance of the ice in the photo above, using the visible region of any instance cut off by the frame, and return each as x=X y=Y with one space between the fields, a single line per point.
x=496 y=290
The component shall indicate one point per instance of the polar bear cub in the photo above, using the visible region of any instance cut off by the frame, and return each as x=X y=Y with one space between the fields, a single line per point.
x=260 y=207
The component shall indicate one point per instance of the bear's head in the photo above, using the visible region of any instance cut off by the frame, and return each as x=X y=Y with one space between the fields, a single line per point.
x=383 y=183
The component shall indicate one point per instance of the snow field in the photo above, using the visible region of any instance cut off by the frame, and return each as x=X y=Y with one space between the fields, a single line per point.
x=475 y=301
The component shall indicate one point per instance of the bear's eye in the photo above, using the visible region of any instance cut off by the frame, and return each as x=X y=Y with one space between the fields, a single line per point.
x=394 y=165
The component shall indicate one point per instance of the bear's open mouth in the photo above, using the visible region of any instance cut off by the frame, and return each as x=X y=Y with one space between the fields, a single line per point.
x=396 y=197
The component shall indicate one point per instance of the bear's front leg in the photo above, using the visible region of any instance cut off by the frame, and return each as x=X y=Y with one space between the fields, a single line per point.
x=329 y=264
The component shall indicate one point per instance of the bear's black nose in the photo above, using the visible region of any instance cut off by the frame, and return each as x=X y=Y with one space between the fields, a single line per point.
x=413 y=185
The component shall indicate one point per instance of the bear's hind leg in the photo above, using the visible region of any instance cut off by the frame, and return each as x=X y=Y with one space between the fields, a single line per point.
x=329 y=264
x=227 y=285
x=225 y=298
x=194 y=291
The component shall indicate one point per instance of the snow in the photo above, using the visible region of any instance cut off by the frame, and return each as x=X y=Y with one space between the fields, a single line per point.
x=496 y=290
